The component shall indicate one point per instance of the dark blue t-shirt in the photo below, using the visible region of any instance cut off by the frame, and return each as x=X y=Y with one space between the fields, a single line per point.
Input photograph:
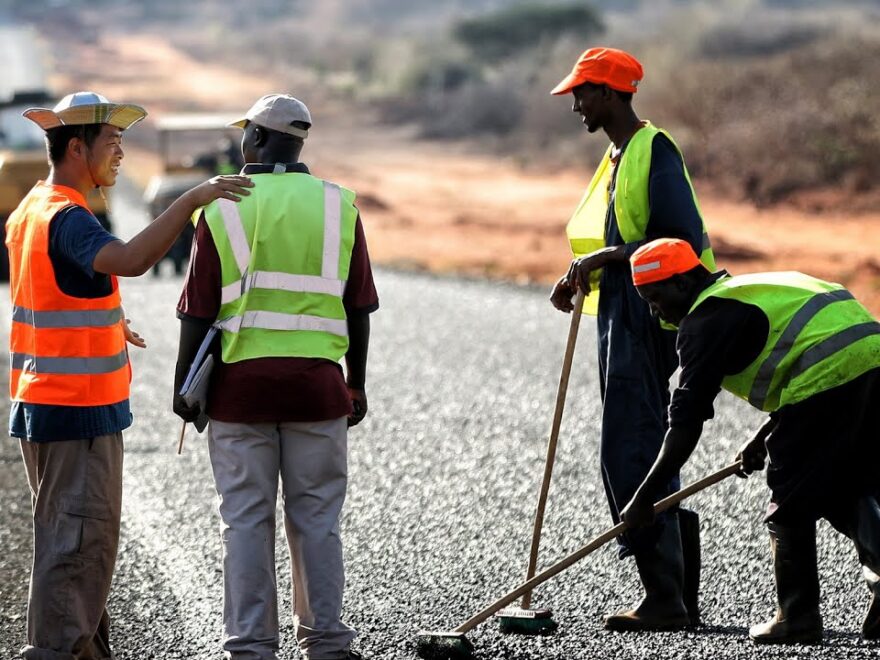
x=75 y=237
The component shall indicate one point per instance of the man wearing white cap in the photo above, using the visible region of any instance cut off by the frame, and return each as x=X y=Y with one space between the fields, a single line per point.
x=286 y=278
x=69 y=367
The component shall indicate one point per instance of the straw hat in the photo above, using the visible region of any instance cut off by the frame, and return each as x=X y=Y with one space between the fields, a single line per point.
x=86 y=108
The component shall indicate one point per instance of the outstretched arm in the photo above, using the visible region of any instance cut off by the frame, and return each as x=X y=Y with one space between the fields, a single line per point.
x=138 y=255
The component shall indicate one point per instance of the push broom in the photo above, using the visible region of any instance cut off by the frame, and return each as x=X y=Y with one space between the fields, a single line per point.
x=454 y=645
x=524 y=620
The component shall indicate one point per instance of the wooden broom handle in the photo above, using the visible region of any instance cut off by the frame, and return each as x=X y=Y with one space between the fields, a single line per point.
x=599 y=541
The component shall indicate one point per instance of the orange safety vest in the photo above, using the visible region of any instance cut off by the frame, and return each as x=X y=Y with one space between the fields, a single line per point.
x=64 y=350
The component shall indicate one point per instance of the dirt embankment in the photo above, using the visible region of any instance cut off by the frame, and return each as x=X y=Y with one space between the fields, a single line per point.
x=448 y=208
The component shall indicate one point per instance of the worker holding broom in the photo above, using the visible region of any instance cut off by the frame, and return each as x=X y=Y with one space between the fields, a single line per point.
x=640 y=191
x=806 y=352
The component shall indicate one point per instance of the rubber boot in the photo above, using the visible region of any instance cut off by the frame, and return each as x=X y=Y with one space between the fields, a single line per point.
x=871 y=624
x=866 y=537
x=797 y=619
x=662 y=573
x=689 y=527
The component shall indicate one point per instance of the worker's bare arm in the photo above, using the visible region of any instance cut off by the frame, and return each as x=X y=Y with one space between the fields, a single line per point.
x=356 y=365
x=678 y=445
x=138 y=255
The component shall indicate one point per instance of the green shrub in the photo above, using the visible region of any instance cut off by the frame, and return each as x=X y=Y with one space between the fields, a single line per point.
x=767 y=127
x=766 y=38
x=440 y=75
x=494 y=36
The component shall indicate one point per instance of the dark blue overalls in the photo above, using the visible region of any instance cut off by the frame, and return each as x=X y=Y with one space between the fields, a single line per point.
x=637 y=357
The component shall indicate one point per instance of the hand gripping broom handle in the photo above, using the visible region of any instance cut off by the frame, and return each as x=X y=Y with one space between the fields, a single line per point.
x=561 y=392
x=597 y=542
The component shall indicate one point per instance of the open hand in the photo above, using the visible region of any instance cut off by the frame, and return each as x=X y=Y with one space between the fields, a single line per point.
x=224 y=186
x=131 y=336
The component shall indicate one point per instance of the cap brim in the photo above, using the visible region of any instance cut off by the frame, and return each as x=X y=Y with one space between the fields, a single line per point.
x=567 y=84
x=122 y=116
x=240 y=123
x=125 y=116
x=43 y=117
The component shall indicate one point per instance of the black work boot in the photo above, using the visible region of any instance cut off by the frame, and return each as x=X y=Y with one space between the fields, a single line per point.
x=866 y=537
x=689 y=527
x=871 y=624
x=662 y=573
x=797 y=620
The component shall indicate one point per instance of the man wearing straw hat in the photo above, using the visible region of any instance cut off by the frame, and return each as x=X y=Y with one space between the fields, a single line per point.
x=640 y=190
x=806 y=352
x=70 y=372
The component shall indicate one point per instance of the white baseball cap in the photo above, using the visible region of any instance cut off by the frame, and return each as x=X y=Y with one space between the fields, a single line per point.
x=278 y=112
x=86 y=108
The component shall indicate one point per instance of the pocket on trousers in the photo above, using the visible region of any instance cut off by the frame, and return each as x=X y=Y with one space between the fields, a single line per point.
x=68 y=534
x=82 y=528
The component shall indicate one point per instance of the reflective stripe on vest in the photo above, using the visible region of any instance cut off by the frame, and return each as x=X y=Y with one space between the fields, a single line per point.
x=64 y=350
x=92 y=318
x=68 y=365
x=758 y=393
x=328 y=282
x=820 y=337
x=280 y=321
x=586 y=228
x=284 y=266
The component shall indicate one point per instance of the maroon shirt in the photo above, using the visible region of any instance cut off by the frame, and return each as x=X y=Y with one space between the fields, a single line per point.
x=273 y=389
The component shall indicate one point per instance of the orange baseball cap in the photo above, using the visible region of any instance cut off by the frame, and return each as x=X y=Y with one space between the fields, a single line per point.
x=603 y=66
x=661 y=259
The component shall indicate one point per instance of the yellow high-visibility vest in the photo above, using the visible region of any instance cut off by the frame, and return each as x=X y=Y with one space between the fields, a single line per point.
x=820 y=337
x=586 y=229
x=285 y=252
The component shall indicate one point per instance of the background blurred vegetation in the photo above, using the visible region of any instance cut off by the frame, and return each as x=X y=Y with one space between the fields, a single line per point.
x=769 y=99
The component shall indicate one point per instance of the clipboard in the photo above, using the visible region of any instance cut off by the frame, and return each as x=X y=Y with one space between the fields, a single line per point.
x=195 y=385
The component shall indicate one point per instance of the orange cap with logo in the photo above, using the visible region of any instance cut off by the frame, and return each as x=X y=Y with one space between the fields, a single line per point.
x=661 y=259
x=603 y=66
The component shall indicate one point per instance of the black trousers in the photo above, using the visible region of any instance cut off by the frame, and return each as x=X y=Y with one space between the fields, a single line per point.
x=825 y=453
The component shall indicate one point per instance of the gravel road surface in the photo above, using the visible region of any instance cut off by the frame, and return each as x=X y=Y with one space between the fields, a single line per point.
x=444 y=473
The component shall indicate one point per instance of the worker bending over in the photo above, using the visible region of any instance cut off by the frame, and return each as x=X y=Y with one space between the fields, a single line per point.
x=806 y=352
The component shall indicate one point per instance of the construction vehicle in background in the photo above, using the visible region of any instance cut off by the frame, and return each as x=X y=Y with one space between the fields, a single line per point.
x=23 y=157
x=192 y=147
x=23 y=161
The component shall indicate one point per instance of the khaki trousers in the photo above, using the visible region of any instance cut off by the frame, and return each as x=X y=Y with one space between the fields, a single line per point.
x=311 y=460
x=76 y=490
